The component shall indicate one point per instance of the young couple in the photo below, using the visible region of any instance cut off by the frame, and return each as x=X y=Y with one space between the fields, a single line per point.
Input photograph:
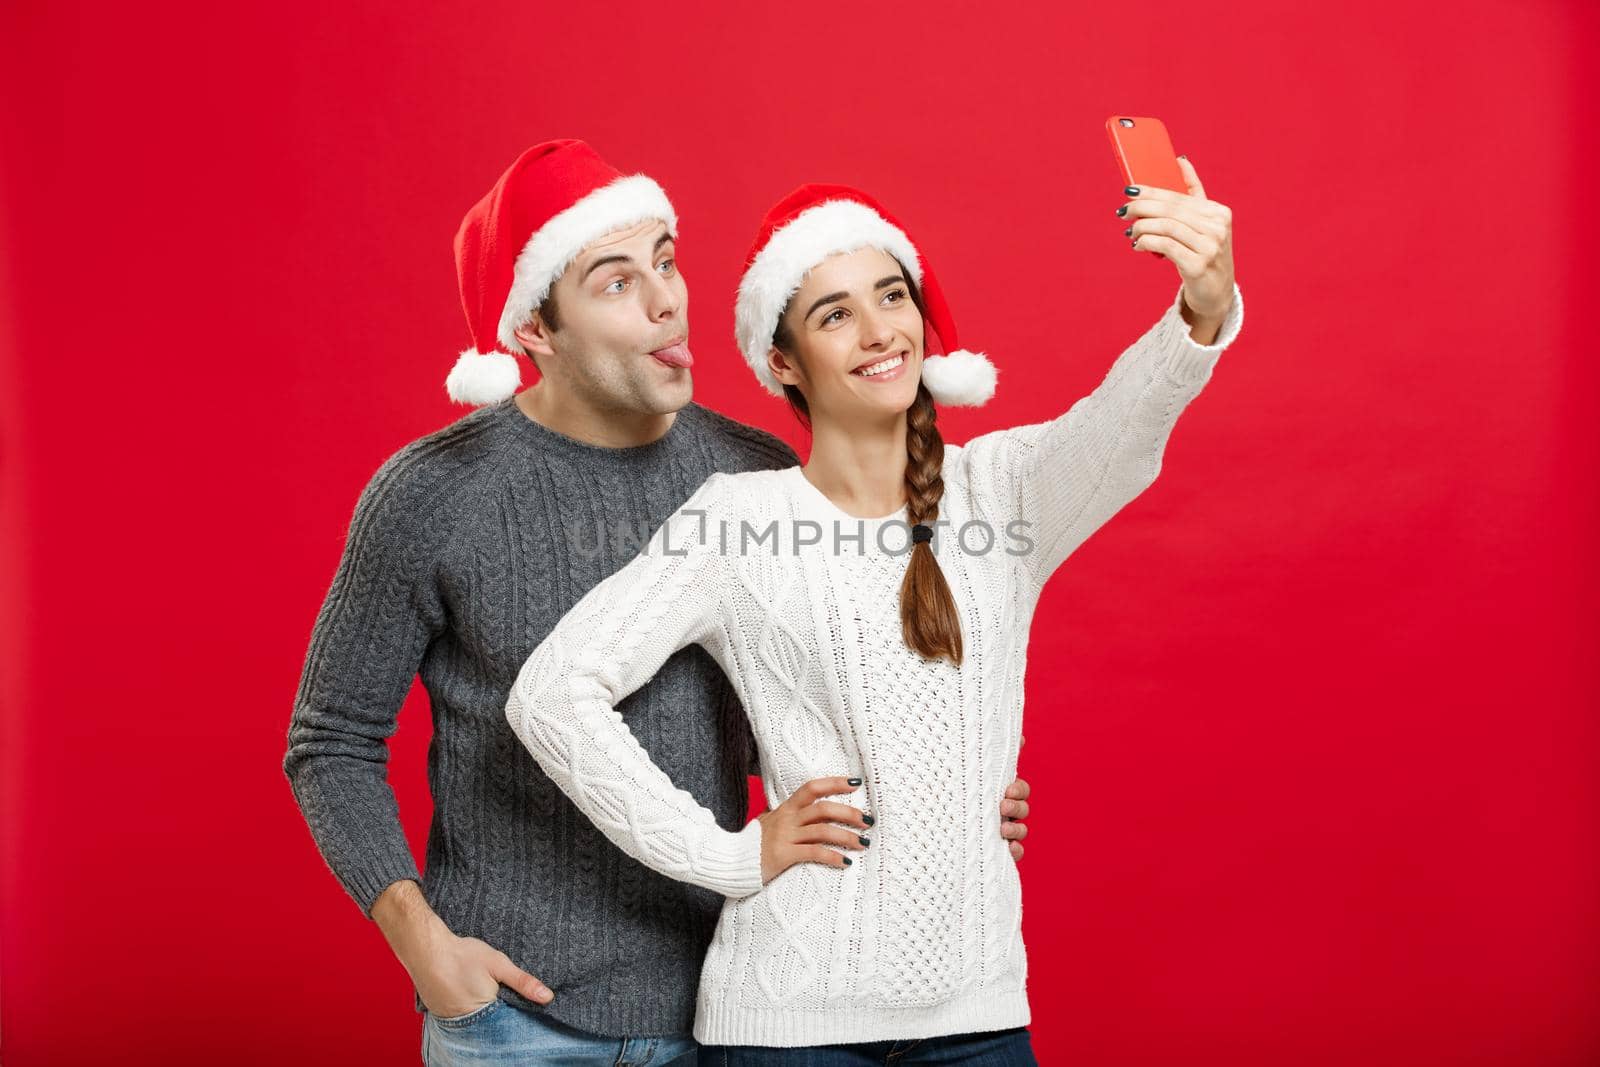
x=853 y=630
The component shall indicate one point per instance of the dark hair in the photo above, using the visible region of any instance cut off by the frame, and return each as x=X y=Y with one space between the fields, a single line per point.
x=547 y=313
x=929 y=621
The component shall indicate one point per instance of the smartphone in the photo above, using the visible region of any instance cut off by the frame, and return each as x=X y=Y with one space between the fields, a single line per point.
x=1144 y=152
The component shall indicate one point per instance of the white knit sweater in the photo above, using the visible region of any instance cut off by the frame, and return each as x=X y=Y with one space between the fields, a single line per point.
x=799 y=603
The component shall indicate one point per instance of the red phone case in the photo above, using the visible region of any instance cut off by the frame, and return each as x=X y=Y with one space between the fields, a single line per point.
x=1144 y=152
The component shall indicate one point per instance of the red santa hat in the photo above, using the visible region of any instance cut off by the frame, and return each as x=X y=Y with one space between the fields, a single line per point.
x=817 y=221
x=557 y=198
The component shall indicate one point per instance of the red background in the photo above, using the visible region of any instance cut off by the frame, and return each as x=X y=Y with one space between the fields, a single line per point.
x=1311 y=724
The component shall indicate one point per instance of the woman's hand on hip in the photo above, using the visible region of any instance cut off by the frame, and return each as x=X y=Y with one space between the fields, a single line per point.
x=801 y=828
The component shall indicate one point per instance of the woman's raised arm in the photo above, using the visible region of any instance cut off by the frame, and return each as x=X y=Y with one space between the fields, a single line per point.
x=1065 y=477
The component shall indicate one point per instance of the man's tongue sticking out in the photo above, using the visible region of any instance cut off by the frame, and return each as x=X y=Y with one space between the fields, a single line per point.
x=675 y=355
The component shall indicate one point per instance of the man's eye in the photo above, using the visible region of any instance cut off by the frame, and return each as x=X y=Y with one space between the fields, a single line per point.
x=667 y=266
x=613 y=287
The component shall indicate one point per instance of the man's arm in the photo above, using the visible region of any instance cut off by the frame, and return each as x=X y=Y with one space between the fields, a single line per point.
x=376 y=621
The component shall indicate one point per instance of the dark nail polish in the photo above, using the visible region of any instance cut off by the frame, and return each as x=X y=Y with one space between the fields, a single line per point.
x=854 y=781
x=864 y=840
x=1123 y=210
x=1132 y=190
x=847 y=861
x=1128 y=232
x=869 y=820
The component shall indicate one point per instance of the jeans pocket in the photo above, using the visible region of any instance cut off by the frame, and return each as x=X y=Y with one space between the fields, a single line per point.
x=476 y=1015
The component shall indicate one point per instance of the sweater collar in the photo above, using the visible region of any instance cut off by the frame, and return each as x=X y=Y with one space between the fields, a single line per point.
x=815 y=504
x=529 y=429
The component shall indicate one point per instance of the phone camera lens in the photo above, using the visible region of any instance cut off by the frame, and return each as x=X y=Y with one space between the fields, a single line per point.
x=1125 y=122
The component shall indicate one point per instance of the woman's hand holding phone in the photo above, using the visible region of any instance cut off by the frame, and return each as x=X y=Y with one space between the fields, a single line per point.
x=1193 y=233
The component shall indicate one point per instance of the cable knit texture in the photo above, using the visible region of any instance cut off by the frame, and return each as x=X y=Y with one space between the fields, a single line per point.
x=465 y=549
x=798 y=603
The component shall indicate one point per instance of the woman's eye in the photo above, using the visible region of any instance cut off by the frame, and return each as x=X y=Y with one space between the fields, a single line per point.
x=829 y=316
x=898 y=293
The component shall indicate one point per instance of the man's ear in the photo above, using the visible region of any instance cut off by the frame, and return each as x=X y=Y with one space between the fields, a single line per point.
x=535 y=337
x=781 y=368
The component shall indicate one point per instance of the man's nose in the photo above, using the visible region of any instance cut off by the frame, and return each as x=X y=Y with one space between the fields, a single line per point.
x=664 y=300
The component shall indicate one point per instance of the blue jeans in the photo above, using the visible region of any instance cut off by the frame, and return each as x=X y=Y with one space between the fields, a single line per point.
x=501 y=1034
x=989 y=1048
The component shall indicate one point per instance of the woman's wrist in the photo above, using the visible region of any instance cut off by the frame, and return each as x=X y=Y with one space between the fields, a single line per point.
x=1203 y=328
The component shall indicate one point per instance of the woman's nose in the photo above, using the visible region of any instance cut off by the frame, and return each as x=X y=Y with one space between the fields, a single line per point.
x=876 y=330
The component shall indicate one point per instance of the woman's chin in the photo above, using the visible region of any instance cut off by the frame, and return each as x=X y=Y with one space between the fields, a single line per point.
x=882 y=400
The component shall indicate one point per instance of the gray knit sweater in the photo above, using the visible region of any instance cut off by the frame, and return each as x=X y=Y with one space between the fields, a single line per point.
x=465 y=549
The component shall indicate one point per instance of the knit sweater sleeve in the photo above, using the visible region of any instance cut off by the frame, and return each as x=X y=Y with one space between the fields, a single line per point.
x=380 y=614
x=1065 y=477
x=563 y=705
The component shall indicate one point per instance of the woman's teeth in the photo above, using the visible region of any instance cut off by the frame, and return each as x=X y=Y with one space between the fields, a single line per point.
x=878 y=368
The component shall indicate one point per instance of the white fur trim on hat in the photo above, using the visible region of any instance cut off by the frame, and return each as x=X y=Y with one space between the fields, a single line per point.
x=960 y=378
x=624 y=202
x=483 y=377
x=780 y=267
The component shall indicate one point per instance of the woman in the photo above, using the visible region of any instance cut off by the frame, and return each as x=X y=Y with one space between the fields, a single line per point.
x=872 y=611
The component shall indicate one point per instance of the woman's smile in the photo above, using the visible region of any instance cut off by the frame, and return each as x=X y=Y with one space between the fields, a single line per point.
x=888 y=369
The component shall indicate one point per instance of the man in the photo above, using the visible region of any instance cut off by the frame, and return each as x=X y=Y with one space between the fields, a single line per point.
x=465 y=549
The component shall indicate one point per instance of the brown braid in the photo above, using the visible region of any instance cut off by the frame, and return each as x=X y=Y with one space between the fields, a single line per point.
x=929 y=622
x=928 y=617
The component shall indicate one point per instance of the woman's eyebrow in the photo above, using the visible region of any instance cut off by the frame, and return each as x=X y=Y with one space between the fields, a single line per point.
x=882 y=283
x=830 y=298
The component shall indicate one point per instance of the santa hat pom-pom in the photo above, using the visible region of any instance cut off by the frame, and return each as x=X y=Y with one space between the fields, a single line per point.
x=960 y=378
x=483 y=377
